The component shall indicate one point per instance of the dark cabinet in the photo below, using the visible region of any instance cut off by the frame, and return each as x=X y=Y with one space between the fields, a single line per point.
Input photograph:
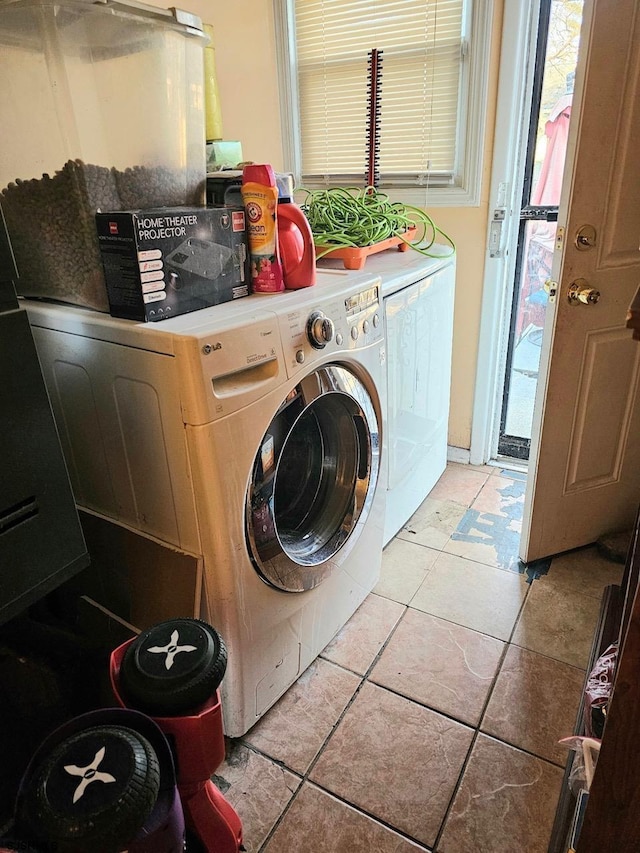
x=41 y=542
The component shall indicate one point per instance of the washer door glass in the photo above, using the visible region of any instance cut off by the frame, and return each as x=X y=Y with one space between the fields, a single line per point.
x=313 y=479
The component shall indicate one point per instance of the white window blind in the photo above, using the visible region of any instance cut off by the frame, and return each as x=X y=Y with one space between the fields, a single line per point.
x=424 y=50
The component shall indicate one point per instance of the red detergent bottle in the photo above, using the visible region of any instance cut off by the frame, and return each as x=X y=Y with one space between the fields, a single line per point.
x=295 y=240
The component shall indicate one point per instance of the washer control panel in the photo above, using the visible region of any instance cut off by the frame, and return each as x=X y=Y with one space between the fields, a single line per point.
x=339 y=324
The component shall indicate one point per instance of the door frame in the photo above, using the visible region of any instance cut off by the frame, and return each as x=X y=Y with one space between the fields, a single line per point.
x=515 y=88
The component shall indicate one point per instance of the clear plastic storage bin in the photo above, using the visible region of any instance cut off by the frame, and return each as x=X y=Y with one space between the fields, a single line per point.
x=101 y=108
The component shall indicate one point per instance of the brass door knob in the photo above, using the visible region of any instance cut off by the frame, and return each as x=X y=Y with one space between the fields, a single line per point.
x=579 y=291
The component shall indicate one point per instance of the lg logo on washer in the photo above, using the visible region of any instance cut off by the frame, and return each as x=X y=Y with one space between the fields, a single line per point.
x=209 y=348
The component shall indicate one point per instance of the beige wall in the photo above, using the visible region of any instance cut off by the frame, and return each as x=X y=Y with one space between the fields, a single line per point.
x=247 y=78
x=245 y=45
x=468 y=228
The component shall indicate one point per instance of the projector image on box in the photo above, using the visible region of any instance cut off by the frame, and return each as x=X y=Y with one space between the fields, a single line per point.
x=195 y=263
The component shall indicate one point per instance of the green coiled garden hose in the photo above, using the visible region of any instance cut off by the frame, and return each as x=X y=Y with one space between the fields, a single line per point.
x=348 y=216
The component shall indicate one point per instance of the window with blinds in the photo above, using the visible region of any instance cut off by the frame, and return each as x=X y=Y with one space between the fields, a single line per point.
x=423 y=52
x=433 y=93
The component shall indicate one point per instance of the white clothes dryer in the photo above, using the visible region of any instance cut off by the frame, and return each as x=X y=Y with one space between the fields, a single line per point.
x=418 y=302
x=248 y=434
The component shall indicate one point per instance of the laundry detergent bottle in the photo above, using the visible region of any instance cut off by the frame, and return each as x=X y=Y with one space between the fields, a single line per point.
x=260 y=199
x=295 y=240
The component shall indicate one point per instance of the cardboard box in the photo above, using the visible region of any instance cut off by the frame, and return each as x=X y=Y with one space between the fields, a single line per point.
x=169 y=261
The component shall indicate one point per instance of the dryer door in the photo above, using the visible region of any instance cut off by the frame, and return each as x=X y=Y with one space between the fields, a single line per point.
x=313 y=479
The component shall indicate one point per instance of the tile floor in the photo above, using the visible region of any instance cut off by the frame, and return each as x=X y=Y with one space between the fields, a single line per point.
x=431 y=721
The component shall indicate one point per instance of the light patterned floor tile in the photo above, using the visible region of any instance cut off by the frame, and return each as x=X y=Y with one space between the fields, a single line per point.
x=440 y=664
x=396 y=760
x=484 y=469
x=459 y=484
x=404 y=567
x=534 y=703
x=479 y=597
x=257 y=788
x=506 y=802
x=298 y=724
x=558 y=623
x=433 y=523
x=584 y=571
x=319 y=823
x=358 y=643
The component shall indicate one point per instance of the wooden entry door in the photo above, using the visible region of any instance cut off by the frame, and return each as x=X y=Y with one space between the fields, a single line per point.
x=585 y=460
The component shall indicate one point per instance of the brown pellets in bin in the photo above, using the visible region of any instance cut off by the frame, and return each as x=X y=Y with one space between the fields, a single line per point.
x=51 y=223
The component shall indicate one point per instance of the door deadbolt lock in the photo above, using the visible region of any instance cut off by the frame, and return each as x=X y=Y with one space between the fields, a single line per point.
x=551 y=287
x=585 y=238
x=580 y=292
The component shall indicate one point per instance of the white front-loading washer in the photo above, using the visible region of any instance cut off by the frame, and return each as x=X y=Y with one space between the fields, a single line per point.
x=248 y=434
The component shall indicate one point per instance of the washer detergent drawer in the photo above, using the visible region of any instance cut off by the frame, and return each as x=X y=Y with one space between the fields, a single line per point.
x=229 y=366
